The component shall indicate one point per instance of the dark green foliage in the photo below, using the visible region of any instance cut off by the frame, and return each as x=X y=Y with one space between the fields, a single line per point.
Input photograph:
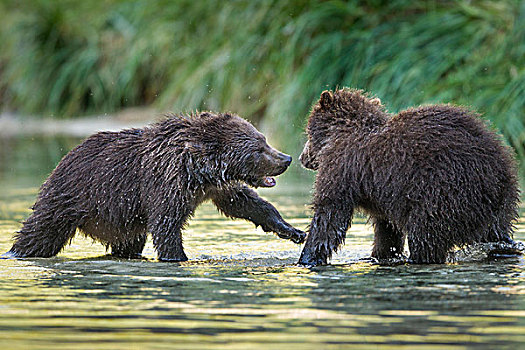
x=267 y=60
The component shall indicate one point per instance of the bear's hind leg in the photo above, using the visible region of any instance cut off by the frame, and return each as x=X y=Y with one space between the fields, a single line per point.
x=389 y=242
x=42 y=236
x=126 y=241
x=428 y=248
x=500 y=229
x=498 y=234
x=130 y=249
x=499 y=243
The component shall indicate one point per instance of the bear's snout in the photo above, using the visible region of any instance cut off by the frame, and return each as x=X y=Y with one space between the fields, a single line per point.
x=278 y=163
x=272 y=163
x=306 y=159
x=275 y=162
x=285 y=159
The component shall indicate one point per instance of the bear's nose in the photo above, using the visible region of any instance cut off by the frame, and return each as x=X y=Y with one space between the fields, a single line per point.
x=286 y=159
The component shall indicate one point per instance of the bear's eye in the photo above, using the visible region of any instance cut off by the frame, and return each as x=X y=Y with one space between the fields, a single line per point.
x=256 y=156
x=261 y=138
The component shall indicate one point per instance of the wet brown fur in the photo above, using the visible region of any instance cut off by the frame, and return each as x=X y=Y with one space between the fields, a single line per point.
x=118 y=186
x=433 y=174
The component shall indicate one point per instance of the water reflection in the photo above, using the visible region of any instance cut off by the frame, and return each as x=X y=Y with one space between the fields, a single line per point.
x=201 y=304
x=241 y=289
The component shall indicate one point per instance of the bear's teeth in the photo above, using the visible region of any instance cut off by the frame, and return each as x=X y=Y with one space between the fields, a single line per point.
x=269 y=181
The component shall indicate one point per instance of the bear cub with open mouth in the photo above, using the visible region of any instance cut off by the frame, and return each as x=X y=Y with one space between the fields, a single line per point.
x=118 y=186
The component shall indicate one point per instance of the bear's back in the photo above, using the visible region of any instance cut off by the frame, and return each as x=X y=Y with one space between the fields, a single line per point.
x=436 y=118
x=442 y=129
x=440 y=152
x=99 y=159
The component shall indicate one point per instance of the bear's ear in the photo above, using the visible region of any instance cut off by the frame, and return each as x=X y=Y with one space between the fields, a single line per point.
x=376 y=101
x=327 y=98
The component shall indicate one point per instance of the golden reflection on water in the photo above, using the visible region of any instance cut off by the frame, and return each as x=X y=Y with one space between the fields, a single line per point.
x=241 y=289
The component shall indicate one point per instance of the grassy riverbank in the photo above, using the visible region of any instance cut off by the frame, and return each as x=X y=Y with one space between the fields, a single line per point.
x=265 y=60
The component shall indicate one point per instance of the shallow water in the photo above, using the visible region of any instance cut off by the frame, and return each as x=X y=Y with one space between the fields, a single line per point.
x=241 y=288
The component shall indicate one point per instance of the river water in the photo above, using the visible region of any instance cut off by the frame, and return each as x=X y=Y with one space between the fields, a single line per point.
x=241 y=288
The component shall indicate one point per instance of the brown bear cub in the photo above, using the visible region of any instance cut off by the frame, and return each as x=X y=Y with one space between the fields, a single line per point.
x=435 y=175
x=117 y=186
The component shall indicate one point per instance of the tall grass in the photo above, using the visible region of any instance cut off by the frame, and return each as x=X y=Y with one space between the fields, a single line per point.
x=265 y=60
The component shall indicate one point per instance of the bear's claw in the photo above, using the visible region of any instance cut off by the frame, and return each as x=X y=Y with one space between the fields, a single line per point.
x=295 y=235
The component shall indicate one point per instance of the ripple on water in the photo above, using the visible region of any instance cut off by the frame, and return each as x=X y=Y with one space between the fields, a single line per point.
x=241 y=289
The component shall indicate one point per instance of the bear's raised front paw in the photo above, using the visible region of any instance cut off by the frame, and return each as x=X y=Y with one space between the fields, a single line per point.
x=298 y=237
x=293 y=234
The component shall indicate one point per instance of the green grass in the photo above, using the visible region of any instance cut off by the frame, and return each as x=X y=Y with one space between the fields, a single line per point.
x=266 y=60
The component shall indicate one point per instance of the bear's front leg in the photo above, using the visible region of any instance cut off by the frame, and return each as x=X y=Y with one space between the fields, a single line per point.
x=167 y=237
x=333 y=204
x=243 y=202
x=332 y=217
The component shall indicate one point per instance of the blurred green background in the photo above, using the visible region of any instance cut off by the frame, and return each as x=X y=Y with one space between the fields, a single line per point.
x=265 y=60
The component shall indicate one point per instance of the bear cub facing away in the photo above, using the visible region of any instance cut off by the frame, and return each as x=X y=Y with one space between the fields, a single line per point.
x=117 y=186
x=435 y=175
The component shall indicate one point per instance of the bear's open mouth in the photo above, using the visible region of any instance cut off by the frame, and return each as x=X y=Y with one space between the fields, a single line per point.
x=265 y=181
x=268 y=181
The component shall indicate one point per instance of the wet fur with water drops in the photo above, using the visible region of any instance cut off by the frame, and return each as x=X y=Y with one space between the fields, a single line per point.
x=436 y=175
x=118 y=186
